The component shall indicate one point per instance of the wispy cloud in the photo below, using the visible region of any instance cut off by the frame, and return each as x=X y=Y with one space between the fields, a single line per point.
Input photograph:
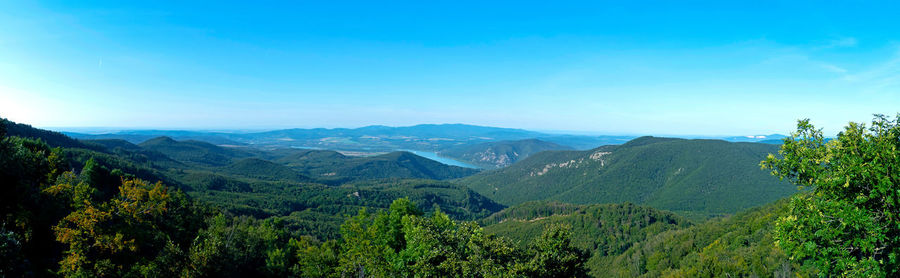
x=839 y=43
x=881 y=76
x=832 y=68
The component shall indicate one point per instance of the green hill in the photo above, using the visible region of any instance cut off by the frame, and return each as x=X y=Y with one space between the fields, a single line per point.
x=741 y=245
x=194 y=152
x=333 y=167
x=500 y=154
x=699 y=178
x=604 y=230
x=625 y=240
x=263 y=169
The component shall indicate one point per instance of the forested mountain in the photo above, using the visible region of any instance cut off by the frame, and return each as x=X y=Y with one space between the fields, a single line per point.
x=284 y=183
x=606 y=231
x=698 y=178
x=500 y=154
x=95 y=208
x=194 y=152
x=97 y=222
x=427 y=137
x=334 y=168
x=633 y=241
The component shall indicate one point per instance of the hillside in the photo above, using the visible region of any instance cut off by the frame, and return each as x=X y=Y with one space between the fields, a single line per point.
x=333 y=167
x=698 y=178
x=241 y=182
x=194 y=152
x=500 y=154
x=263 y=169
x=737 y=246
x=606 y=231
x=633 y=241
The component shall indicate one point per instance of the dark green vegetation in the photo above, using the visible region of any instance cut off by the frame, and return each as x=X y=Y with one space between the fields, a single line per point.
x=695 y=178
x=311 y=190
x=332 y=167
x=89 y=208
x=604 y=230
x=849 y=225
x=633 y=241
x=500 y=154
x=99 y=221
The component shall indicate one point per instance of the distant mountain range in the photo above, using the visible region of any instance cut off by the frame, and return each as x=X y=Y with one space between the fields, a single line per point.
x=487 y=147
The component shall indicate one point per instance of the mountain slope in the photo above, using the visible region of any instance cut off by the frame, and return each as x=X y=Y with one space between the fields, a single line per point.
x=263 y=169
x=741 y=245
x=604 y=230
x=698 y=178
x=402 y=165
x=334 y=167
x=196 y=152
x=625 y=240
x=500 y=154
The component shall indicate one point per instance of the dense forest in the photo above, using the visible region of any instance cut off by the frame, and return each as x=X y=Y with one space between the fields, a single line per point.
x=165 y=208
x=107 y=222
x=698 y=179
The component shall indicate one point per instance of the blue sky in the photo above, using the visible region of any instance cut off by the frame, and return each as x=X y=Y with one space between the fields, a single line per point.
x=617 y=67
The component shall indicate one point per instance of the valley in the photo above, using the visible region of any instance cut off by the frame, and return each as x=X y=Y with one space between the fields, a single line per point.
x=616 y=199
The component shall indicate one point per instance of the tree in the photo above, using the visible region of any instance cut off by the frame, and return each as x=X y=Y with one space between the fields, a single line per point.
x=555 y=256
x=847 y=224
x=134 y=233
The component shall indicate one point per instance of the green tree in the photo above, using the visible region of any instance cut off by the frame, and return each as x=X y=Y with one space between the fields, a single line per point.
x=848 y=223
x=555 y=256
x=134 y=233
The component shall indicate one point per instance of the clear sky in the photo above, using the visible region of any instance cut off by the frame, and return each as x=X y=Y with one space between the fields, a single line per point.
x=617 y=67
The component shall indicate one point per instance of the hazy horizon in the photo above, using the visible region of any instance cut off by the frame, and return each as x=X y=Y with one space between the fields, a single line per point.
x=109 y=130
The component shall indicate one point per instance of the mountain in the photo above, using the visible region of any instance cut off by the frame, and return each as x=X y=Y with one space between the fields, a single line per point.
x=52 y=138
x=697 y=178
x=604 y=230
x=741 y=245
x=263 y=169
x=265 y=184
x=195 y=152
x=500 y=154
x=334 y=167
x=369 y=139
x=626 y=240
x=138 y=136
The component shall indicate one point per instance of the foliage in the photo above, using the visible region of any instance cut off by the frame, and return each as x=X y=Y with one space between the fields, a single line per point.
x=605 y=231
x=401 y=243
x=849 y=225
x=741 y=245
x=333 y=168
x=126 y=235
x=696 y=178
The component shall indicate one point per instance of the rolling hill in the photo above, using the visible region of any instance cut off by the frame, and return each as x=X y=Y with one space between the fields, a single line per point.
x=194 y=152
x=244 y=182
x=333 y=167
x=500 y=154
x=625 y=240
x=697 y=178
x=605 y=230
